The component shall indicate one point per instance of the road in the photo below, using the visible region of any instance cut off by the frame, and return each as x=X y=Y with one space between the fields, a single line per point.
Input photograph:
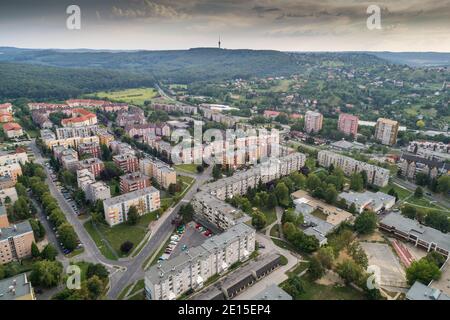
x=126 y=270
x=134 y=271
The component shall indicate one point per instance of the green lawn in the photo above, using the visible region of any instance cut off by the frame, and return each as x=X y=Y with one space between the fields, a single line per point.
x=119 y=234
x=424 y=202
x=275 y=231
x=301 y=266
x=271 y=215
x=314 y=291
x=402 y=193
x=136 y=96
x=190 y=167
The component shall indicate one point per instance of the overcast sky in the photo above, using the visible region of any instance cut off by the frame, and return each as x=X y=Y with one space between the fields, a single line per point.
x=287 y=25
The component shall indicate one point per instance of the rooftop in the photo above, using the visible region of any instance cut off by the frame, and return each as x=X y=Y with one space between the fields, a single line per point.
x=130 y=196
x=15 y=287
x=410 y=226
x=420 y=291
x=15 y=230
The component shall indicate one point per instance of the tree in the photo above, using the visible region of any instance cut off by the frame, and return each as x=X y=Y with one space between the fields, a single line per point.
x=356 y=182
x=436 y=258
x=97 y=270
x=443 y=184
x=126 y=246
x=298 y=179
x=312 y=182
x=133 y=216
x=200 y=168
x=326 y=257
x=106 y=153
x=409 y=211
x=438 y=220
x=366 y=222
x=315 y=268
x=95 y=287
x=331 y=194
x=352 y=208
x=67 y=236
x=38 y=229
x=422 y=179
x=423 y=271
x=187 y=212
x=46 y=273
x=217 y=172
x=259 y=220
x=349 y=271
x=34 y=250
x=393 y=193
x=49 y=252
x=282 y=193
x=272 y=202
x=418 y=193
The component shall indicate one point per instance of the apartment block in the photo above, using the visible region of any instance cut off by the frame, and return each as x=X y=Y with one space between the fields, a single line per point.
x=209 y=203
x=348 y=124
x=12 y=130
x=376 y=175
x=13 y=157
x=386 y=131
x=11 y=171
x=50 y=140
x=175 y=108
x=105 y=137
x=410 y=165
x=16 y=288
x=133 y=181
x=159 y=170
x=93 y=190
x=118 y=147
x=80 y=118
x=192 y=268
x=94 y=165
x=89 y=148
x=127 y=162
x=75 y=132
x=144 y=200
x=313 y=122
x=10 y=193
x=15 y=242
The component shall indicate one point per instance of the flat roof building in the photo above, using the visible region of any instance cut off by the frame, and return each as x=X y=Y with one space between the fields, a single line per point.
x=16 y=288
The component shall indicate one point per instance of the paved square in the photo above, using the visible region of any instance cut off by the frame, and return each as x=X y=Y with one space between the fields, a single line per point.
x=381 y=255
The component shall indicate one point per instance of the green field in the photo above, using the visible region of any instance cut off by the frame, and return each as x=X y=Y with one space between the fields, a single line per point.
x=402 y=193
x=118 y=234
x=136 y=96
x=315 y=291
x=190 y=167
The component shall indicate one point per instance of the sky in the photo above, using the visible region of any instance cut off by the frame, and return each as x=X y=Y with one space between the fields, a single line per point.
x=285 y=25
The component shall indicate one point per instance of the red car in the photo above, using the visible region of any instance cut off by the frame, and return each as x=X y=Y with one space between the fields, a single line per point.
x=207 y=233
x=198 y=225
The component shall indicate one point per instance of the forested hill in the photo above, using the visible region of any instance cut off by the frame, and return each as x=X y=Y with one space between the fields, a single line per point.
x=416 y=59
x=44 y=82
x=60 y=73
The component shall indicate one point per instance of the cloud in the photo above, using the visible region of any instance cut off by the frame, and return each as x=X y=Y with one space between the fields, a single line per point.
x=147 y=9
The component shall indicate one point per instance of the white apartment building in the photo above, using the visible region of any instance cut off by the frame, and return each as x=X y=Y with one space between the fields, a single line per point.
x=13 y=157
x=376 y=175
x=192 y=268
x=74 y=132
x=93 y=190
x=386 y=131
x=144 y=200
x=209 y=203
x=159 y=170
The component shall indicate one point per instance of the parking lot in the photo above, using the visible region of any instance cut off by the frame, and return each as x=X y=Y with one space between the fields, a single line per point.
x=381 y=255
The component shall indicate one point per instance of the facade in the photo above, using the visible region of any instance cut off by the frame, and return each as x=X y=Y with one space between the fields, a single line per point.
x=348 y=124
x=313 y=122
x=16 y=288
x=118 y=147
x=191 y=269
x=145 y=200
x=89 y=148
x=15 y=242
x=368 y=200
x=12 y=171
x=98 y=191
x=376 y=175
x=94 y=165
x=105 y=137
x=159 y=129
x=88 y=103
x=50 y=140
x=75 y=132
x=386 y=131
x=186 y=109
x=410 y=165
x=12 y=130
x=133 y=181
x=6 y=117
x=134 y=115
x=160 y=171
x=421 y=236
x=10 y=193
x=127 y=162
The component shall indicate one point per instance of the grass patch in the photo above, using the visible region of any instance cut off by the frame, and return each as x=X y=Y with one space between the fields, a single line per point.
x=124 y=292
x=271 y=215
x=75 y=252
x=136 y=96
x=286 y=245
x=159 y=254
x=275 y=231
x=119 y=234
x=424 y=202
x=189 y=167
x=104 y=249
x=140 y=284
x=299 y=268
x=315 y=291
x=138 y=296
x=402 y=193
